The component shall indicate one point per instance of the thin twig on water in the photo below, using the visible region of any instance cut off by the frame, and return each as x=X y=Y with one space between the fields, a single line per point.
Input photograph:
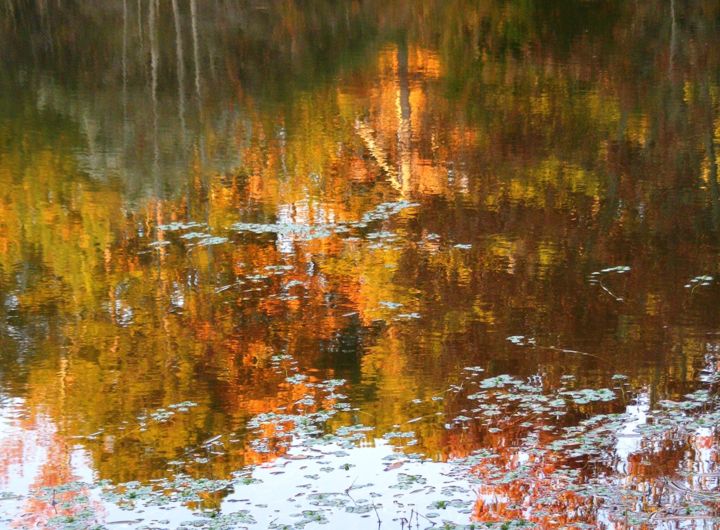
x=418 y=514
x=347 y=490
x=576 y=352
x=610 y=293
x=376 y=513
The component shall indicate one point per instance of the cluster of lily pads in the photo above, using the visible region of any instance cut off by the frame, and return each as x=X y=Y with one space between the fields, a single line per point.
x=296 y=231
x=578 y=453
x=543 y=455
x=598 y=277
x=198 y=234
x=704 y=280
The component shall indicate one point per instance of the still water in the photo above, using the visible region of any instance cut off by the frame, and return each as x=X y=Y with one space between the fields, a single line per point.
x=280 y=264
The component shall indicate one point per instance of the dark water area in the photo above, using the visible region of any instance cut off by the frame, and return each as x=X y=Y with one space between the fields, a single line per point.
x=290 y=264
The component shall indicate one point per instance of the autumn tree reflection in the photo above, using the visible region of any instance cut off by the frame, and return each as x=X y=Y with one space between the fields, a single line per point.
x=453 y=178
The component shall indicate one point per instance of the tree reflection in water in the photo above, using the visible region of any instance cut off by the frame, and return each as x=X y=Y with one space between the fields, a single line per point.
x=211 y=213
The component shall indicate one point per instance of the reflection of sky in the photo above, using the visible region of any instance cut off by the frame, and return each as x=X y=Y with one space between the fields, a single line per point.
x=314 y=480
x=22 y=468
x=283 y=489
x=286 y=485
x=285 y=240
x=628 y=440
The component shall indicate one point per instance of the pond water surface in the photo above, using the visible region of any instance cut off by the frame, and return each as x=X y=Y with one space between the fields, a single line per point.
x=359 y=264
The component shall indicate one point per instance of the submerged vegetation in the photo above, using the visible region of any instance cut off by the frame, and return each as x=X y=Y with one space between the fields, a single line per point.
x=417 y=264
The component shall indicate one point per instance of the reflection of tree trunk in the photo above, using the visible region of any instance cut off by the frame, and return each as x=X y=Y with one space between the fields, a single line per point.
x=196 y=54
x=400 y=174
x=378 y=153
x=140 y=29
x=124 y=78
x=611 y=202
x=612 y=196
x=713 y=179
x=124 y=61
x=673 y=39
x=404 y=134
x=10 y=9
x=711 y=157
x=45 y=23
x=180 y=68
x=707 y=106
x=153 y=78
